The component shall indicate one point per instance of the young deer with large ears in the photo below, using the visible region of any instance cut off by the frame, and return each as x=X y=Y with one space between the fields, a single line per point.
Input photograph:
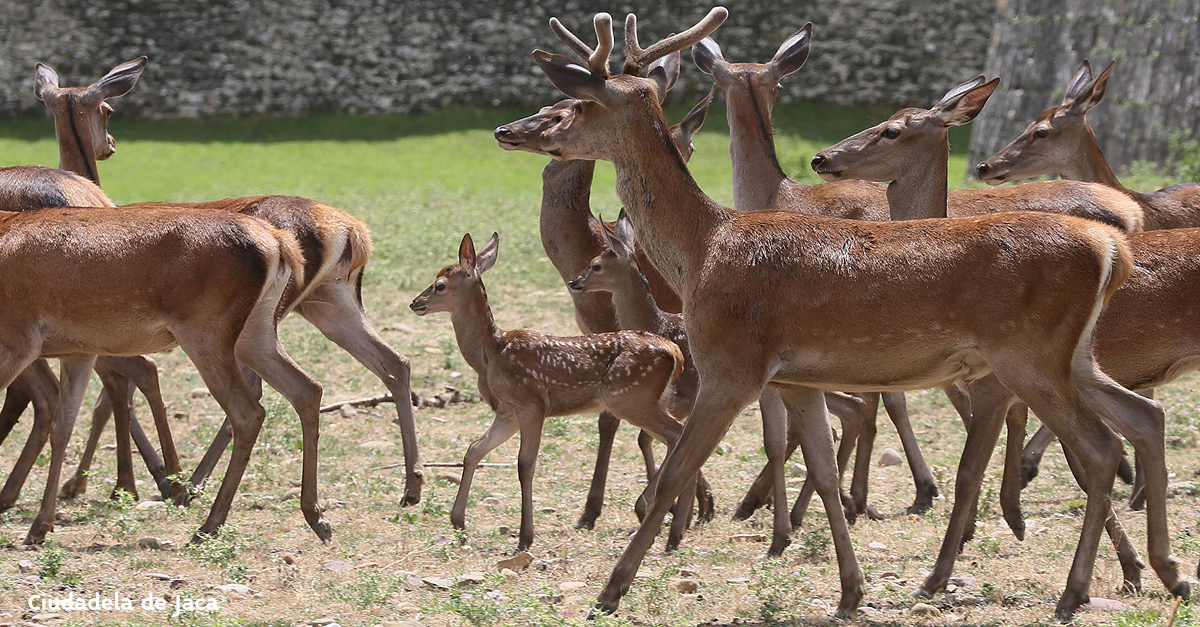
x=770 y=298
x=335 y=246
x=886 y=152
x=526 y=376
x=1060 y=141
x=571 y=237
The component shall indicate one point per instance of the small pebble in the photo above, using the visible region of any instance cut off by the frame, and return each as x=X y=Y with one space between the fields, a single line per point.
x=924 y=610
x=889 y=457
x=200 y=392
x=149 y=543
x=684 y=586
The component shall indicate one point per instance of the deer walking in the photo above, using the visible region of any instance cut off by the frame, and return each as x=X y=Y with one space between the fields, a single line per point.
x=748 y=277
x=526 y=376
x=335 y=248
x=1061 y=141
x=760 y=184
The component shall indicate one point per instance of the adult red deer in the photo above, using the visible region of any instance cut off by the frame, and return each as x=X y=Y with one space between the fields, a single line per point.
x=759 y=183
x=777 y=299
x=335 y=248
x=1061 y=141
x=101 y=281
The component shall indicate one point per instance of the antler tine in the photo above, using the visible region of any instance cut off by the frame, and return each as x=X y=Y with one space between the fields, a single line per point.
x=637 y=58
x=597 y=59
x=569 y=38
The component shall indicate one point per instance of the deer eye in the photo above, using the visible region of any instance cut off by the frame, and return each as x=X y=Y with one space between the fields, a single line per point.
x=1041 y=133
x=891 y=132
x=595 y=267
x=559 y=118
x=439 y=287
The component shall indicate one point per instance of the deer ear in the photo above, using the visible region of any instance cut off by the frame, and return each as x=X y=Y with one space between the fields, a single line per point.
x=570 y=77
x=121 y=79
x=665 y=71
x=707 y=56
x=792 y=54
x=1079 y=80
x=964 y=102
x=466 y=254
x=624 y=231
x=45 y=82
x=614 y=242
x=1092 y=93
x=695 y=118
x=487 y=256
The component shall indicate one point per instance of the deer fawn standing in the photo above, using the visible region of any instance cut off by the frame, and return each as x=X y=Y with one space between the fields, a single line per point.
x=571 y=237
x=748 y=277
x=526 y=376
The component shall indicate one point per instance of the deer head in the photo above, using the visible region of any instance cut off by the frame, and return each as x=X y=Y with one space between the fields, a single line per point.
x=83 y=110
x=612 y=266
x=760 y=81
x=586 y=126
x=457 y=282
x=886 y=151
x=1056 y=138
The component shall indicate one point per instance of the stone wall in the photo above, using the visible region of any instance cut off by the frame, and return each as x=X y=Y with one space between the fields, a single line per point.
x=237 y=57
x=1154 y=90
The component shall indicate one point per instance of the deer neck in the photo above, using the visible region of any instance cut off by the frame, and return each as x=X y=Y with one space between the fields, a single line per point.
x=72 y=156
x=567 y=236
x=635 y=305
x=672 y=217
x=475 y=330
x=921 y=192
x=1090 y=164
x=757 y=176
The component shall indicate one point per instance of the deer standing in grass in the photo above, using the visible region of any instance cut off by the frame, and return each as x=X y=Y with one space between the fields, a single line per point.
x=773 y=298
x=1131 y=354
x=99 y=281
x=1061 y=141
x=759 y=183
x=35 y=187
x=526 y=376
x=335 y=248
x=571 y=237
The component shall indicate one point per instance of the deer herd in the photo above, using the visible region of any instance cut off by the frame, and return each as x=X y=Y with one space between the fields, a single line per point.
x=1069 y=297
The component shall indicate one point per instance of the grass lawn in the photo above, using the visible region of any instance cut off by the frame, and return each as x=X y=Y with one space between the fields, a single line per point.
x=420 y=182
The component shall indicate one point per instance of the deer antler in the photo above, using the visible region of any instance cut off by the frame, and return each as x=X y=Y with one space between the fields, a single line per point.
x=597 y=59
x=637 y=58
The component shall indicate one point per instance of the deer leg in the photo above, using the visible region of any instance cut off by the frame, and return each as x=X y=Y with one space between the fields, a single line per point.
x=1010 y=485
x=120 y=392
x=960 y=398
x=504 y=426
x=815 y=441
x=77 y=484
x=143 y=371
x=334 y=308
x=862 y=458
x=849 y=411
x=717 y=405
x=1137 y=495
x=154 y=463
x=38 y=384
x=1031 y=457
x=16 y=399
x=531 y=441
x=989 y=401
x=73 y=381
x=1131 y=564
x=1141 y=421
x=897 y=410
x=645 y=443
x=207 y=463
x=775 y=428
x=595 y=499
x=760 y=490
